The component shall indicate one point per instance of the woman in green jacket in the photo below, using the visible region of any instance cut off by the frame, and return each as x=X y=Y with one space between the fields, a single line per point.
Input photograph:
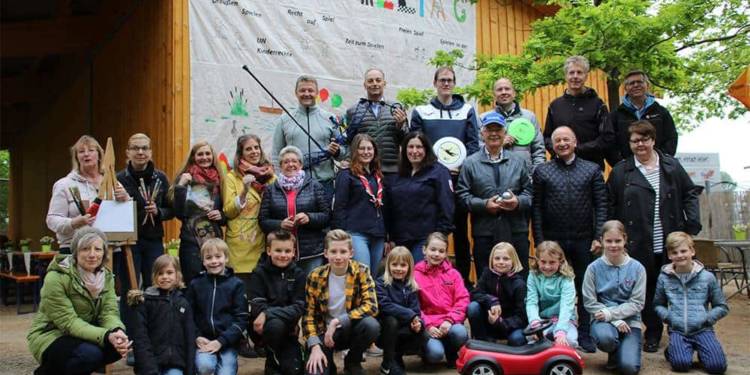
x=78 y=329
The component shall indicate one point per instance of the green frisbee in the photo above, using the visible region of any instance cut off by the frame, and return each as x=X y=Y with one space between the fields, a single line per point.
x=522 y=130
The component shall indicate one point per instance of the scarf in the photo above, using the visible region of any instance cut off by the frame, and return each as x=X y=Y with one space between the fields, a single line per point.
x=206 y=176
x=93 y=281
x=262 y=174
x=293 y=182
x=376 y=200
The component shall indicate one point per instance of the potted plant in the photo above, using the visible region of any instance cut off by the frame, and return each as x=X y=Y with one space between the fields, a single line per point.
x=9 y=247
x=173 y=248
x=740 y=231
x=25 y=244
x=46 y=243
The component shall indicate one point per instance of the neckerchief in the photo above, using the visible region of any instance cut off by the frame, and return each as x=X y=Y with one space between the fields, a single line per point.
x=377 y=200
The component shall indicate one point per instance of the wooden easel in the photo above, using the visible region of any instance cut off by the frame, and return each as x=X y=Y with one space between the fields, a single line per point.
x=107 y=192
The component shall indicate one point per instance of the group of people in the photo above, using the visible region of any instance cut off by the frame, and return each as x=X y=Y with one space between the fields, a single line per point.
x=347 y=237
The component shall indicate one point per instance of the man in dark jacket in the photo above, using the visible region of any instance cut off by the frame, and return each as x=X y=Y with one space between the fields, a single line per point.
x=494 y=185
x=570 y=207
x=651 y=194
x=151 y=213
x=639 y=104
x=380 y=119
x=277 y=302
x=581 y=109
x=447 y=115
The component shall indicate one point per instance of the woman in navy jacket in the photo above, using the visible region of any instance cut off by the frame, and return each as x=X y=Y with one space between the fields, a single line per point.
x=420 y=200
x=358 y=203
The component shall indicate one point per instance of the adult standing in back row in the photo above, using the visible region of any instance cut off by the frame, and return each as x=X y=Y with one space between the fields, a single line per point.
x=448 y=115
x=581 y=109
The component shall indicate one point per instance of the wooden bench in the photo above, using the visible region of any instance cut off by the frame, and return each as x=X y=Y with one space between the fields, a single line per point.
x=20 y=279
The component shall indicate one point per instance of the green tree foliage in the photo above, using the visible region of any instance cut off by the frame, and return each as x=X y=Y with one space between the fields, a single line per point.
x=692 y=50
x=4 y=175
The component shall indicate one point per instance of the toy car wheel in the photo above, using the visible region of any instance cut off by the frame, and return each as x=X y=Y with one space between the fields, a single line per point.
x=561 y=368
x=482 y=368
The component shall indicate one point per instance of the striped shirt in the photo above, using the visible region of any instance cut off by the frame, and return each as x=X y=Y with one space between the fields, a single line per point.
x=652 y=176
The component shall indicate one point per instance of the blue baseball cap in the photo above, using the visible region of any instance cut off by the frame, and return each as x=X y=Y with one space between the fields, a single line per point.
x=493 y=118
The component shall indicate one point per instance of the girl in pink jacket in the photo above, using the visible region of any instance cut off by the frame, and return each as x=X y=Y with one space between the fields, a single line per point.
x=443 y=299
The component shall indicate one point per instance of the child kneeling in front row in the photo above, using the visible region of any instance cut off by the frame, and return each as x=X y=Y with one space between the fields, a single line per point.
x=163 y=331
x=220 y=310
x=277 y=302
x=341 y=305
x=684 y=291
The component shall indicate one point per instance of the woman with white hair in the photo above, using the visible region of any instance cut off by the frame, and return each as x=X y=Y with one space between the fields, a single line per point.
x=78 y=329
x=72 y=194
x=296 y=202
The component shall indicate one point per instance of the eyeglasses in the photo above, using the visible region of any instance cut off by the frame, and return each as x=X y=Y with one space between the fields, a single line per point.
x=445 y=81
x=643 y=140
x=139 y=148
x=633 y=83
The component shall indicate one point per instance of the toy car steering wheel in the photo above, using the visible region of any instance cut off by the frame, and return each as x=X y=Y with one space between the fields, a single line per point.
x=543 y=324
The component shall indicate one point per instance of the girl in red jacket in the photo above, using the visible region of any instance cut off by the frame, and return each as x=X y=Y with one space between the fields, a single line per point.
x=443 y=299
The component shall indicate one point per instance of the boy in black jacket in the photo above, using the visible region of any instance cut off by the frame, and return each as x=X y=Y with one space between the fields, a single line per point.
x=220 y=310
x=277 y=302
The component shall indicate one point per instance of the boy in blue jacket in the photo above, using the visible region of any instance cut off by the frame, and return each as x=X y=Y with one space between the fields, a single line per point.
x=684 y=291
x=220 y=311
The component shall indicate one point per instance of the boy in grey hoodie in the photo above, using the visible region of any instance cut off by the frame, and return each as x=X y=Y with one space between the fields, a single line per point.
x=684 y=291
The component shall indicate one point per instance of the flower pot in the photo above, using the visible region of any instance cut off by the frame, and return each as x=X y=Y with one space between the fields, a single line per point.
x=46 y=248
x=740 y=235
x=27 y=262
x=10 y=261
x=25 y=248
x=175 y=252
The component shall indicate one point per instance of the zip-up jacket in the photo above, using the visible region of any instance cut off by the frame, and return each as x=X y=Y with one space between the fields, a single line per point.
x=219 y=307
x=381 y=127
x=653 y=112
x=507 y=291
x=457 y=119
x=442 y=294
x=127 y=177
x=163 y=332
x=534 y=153
x=318 y=124
x=570 y=201
x=420 y=204
x=278 y=292
x=586 y=114
x=397 y=300
x=685 y=306
x=618 y=291
x=352 y=209
x=549 y=297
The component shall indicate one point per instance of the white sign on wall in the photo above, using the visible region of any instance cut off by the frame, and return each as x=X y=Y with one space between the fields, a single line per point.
x=701 y=167
x=334 y=41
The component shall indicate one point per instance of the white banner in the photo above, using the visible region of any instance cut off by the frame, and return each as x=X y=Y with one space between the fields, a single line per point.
x=334 y=41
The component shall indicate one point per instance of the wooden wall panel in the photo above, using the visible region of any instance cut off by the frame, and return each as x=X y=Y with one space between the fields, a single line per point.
x=138 y=81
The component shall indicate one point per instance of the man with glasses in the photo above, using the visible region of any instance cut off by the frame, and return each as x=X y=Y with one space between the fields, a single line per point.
x=639 y=104
x=448 y=115
x=151 y=213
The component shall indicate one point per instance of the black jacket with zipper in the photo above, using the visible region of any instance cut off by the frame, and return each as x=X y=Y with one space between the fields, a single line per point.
x=278 y=292
x=219 y=307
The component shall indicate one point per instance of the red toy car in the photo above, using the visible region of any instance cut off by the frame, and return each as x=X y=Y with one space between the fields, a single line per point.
x=542 y=357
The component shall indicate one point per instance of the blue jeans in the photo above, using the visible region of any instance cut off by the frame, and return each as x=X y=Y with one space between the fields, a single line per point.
x=624 y=348
x=172 y=371
x=447 y=346
x=481 y=329
x=679 y=353
x=368 y=250
x=571 y=334
x=223 y=362
x=309 y=264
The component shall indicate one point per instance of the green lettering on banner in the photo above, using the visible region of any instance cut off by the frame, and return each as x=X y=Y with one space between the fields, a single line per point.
x=459 y=17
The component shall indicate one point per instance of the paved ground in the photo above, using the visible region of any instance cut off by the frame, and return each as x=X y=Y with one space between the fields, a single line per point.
x=733 y=331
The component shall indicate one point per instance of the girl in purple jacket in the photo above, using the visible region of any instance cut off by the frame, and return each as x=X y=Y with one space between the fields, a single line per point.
x=443 y=299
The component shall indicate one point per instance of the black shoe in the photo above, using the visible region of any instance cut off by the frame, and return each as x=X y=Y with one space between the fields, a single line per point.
x=611 y=364
x=651 y=346
x=246 y=351
x=272 y=368
x=353 y=369
x=586 y=344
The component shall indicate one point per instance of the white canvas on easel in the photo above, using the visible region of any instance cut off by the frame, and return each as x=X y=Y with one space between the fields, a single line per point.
x=117 y=220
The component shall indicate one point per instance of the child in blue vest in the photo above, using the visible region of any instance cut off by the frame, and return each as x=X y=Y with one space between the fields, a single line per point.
x=690 y=301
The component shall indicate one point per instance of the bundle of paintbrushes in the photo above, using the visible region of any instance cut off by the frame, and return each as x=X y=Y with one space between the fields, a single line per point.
x=76 y=194
x=149 y=196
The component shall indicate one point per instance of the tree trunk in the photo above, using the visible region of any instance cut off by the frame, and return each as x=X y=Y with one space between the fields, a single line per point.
x=613 y=93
